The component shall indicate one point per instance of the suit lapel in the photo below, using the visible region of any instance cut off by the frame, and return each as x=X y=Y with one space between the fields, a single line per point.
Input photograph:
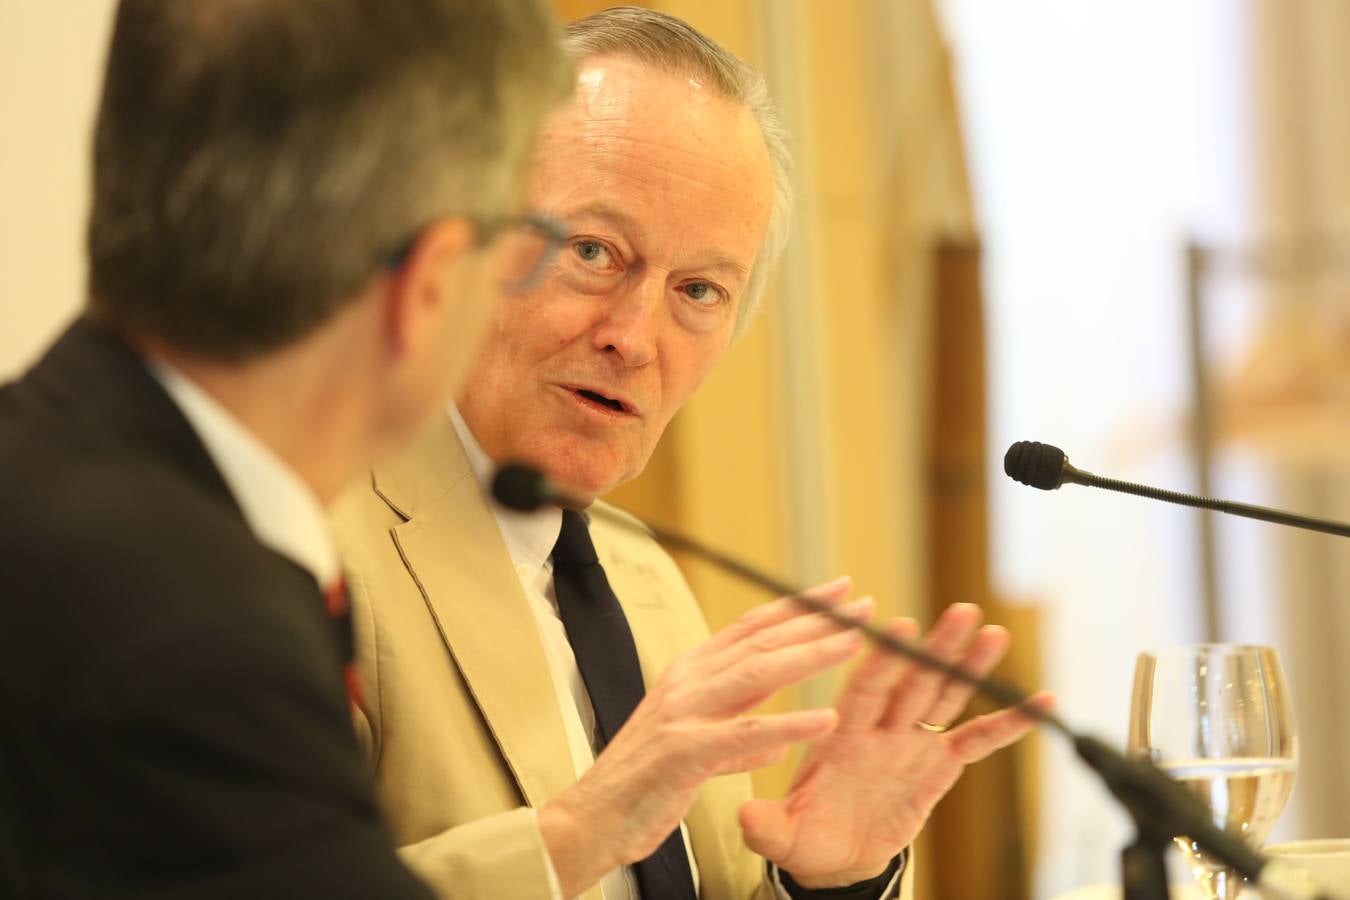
x=455 y=553
x=643 y=596
x=657 y=608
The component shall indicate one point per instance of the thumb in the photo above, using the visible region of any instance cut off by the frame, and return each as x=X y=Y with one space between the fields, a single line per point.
x=765 y=826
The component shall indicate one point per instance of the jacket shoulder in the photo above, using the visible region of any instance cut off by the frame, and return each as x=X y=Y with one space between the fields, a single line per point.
x=630 y=542
x=647 y=579
x=107 y=555
x=620 y=529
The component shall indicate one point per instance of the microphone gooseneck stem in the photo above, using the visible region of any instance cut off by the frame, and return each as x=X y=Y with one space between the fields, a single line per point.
x=1161 y=807
x=1246 y=510
x=1001 y=691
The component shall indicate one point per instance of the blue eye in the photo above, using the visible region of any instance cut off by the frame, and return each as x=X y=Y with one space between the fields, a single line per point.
x=703 y=294
x=593 y=253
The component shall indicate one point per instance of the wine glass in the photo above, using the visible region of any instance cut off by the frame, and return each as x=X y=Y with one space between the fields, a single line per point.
x=1217 y=718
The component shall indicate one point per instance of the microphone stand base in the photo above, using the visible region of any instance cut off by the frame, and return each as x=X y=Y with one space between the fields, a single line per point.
x=1143 y=874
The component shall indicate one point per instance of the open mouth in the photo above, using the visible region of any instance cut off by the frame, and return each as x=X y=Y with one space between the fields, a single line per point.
x=601 y=400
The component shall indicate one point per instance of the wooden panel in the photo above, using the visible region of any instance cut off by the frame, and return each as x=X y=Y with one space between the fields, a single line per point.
x=988 y=815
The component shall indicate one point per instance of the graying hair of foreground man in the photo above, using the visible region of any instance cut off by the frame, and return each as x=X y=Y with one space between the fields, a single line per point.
x=240 y=200
x=666 y=42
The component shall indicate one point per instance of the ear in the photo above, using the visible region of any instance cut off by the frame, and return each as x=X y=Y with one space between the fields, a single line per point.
x=420 y=289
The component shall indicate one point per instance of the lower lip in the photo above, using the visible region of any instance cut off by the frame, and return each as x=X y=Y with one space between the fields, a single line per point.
x=599 y=409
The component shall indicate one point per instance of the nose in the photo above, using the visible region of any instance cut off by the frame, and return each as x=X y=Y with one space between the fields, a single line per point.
x=629 y=330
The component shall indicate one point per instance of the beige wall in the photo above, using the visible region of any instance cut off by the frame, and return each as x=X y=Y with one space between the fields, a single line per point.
x=51 y=57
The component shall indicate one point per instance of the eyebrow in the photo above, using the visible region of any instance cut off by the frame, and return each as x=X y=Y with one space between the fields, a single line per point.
x=598 y=211
x=725 y=263
x=713 y=259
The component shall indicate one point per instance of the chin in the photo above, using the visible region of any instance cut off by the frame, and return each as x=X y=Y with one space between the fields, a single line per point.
x=584 y=479
x=584 y=469
x=583 y=485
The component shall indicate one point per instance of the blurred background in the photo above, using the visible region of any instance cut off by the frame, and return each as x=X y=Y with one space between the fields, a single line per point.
x=1122 y=228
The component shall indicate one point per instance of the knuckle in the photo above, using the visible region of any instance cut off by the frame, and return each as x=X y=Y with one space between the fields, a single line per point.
x=748 y=622
x=678 y=671
x=763 y=641
x=671 y=736
x=749 y=618
x=752 y=673
x=676 y=698
x=748 y=733
x=676 y=752
x=661 y=701
x=828 y=650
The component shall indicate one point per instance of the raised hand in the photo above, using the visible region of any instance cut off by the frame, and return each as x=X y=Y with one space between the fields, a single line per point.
x=866 y=790
x=689 y=727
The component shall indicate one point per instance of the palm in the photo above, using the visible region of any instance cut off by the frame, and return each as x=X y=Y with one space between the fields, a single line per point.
x=864 y=792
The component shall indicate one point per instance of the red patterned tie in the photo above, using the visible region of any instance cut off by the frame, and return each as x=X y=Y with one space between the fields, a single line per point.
x=338 y=605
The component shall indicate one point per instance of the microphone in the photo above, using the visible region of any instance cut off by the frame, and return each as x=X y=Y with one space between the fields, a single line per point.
x=524 y=488
x=1046 y=467
x=1162 y=808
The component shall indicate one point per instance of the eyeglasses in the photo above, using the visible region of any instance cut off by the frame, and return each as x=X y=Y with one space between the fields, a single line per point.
x=528 y=245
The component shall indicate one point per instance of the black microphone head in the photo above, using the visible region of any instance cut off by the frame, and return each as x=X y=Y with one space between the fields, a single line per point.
x=521 y=487
x=1035 y=464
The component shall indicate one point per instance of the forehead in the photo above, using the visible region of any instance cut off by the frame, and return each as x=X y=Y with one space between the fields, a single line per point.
x=645 y=142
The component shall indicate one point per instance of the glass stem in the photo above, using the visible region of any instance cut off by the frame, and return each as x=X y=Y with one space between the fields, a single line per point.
x=1219 y=884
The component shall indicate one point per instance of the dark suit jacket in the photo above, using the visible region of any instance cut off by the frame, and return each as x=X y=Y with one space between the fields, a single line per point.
x=175 y=723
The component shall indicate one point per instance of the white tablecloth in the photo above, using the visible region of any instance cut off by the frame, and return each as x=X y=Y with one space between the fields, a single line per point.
x=1112 y=892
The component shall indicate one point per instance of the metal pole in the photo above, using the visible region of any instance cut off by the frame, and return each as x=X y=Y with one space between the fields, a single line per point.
x=1202 y=437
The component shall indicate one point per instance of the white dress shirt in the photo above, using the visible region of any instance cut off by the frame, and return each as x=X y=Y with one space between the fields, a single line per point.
x=529 y=539
x=282 y=511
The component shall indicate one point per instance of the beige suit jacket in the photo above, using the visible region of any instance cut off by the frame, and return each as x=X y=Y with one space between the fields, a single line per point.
x=460 y=716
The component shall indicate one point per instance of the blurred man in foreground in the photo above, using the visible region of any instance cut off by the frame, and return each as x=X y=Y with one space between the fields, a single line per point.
x=299 y=211
x=543 y=680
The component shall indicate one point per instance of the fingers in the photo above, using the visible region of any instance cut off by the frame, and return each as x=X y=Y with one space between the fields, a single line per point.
x=781 y=610
x=739 y=745
x=797 y=630
x=745 y=682
x=766 y=828
x=920 y=686
x=769 y=648
x=758 y=761
x=984 y=653
x=981 y=736
x=868 y=692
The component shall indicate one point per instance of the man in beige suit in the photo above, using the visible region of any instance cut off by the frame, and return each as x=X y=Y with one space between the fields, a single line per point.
x=507 y=765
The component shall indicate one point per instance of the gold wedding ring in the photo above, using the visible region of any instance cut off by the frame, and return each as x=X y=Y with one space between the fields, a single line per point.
x=929 y=726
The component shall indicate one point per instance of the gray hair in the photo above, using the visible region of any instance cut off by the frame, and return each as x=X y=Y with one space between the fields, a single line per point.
x=663 y=41
x=256 y=163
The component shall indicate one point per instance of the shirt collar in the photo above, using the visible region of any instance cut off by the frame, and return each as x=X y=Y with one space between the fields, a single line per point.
x=281 y=510
x=529 y=536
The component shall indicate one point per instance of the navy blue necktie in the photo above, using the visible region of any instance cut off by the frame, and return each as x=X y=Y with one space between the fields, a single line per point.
x=608 y=660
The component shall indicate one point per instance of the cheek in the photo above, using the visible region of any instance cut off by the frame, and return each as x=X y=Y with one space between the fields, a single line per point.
x=527 y=333
x=688 y=365
x=547 y=318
